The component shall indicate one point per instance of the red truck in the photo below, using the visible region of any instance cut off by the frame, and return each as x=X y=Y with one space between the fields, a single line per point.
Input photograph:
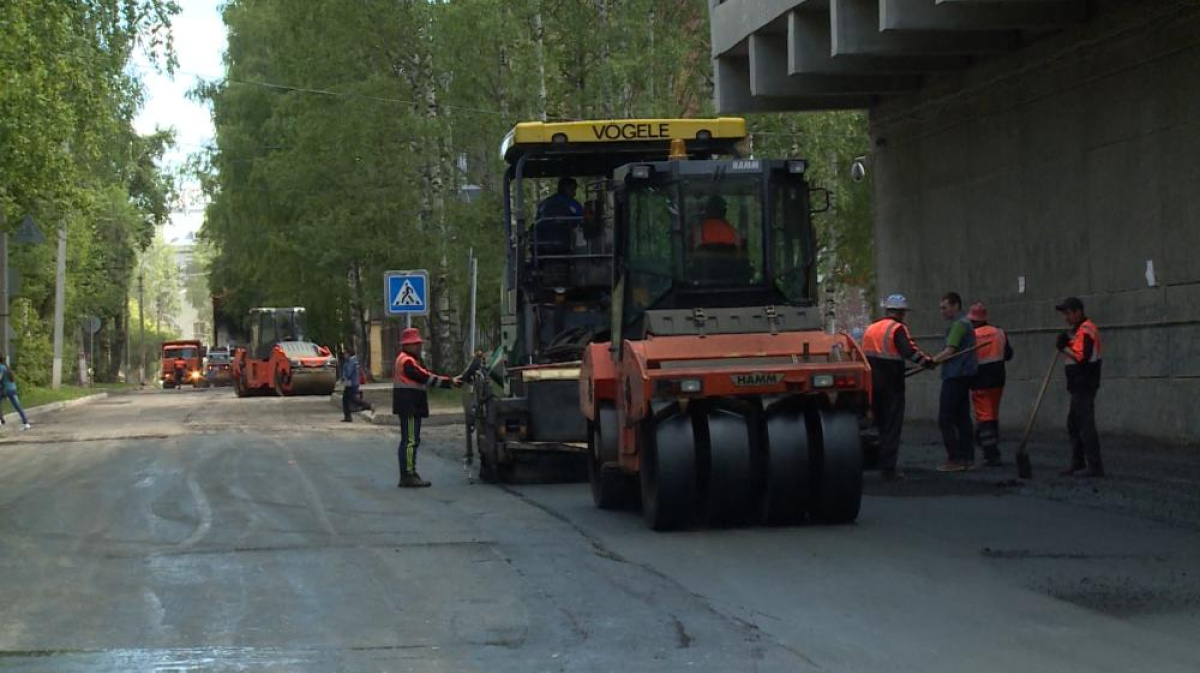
x=191 y=352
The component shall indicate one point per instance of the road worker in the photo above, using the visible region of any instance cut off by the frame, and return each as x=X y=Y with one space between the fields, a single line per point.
x=1081 y=346
x=410 y=403
x=562 y=203
x=988 y=385
x=887 y=346
x=350 y=378
x=959 y=366
x=179 y=365
x=715 y=232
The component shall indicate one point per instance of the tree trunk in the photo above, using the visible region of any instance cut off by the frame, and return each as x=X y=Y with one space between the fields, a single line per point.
x=539 y=36
x=606 y=81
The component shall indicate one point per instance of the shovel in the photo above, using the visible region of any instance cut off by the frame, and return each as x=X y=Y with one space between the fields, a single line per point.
x=1024 y=465
x=918 y=370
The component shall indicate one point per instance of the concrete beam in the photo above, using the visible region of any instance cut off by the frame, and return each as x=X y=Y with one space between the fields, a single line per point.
x=810 y=53
x=854 y=26
x=731 y=21
x=732 y=93
x=957 y=15
x=769 y=75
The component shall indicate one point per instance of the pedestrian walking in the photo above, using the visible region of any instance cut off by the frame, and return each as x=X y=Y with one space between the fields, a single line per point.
x=410 y=403
x=959 y=366
x=887 y=346
x=1082 y=347
x=988 y=387
x=350 y=380
x=8 y=391
x=179 y=366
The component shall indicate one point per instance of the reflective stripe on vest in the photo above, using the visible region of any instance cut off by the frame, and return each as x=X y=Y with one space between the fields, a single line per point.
x=1086 y=328
x=879 y=341
x=992 y=341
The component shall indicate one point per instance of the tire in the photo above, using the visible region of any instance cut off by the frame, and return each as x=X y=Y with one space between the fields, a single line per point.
x=837 y=478
x=728 y=483
x=668 y=473
x=611 y=488
x=786 y=469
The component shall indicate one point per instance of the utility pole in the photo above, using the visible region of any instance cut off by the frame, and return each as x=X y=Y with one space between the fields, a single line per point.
x=142 y=330
x=474 y=265
x=60 y=294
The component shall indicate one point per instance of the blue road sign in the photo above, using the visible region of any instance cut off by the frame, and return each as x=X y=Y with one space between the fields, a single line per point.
x=406 y=292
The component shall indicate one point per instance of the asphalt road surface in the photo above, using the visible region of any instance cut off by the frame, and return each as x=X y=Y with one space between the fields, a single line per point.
x=192 y=531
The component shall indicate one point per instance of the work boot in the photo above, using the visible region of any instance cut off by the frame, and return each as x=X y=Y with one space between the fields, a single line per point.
x=347 y=420
x=952 y=466
x=993 y=461
x=413 y=480
x=1089 y=473
x=892 y=474
x=1070 y=471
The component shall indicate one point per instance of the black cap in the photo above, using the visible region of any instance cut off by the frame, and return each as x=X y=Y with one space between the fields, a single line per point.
x=1070 y=304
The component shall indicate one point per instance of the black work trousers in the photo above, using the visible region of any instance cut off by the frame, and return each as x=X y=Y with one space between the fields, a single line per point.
x=1081 y=425
x=349 y=397
x=888 y=406
x=410 y=441
x=954 y=419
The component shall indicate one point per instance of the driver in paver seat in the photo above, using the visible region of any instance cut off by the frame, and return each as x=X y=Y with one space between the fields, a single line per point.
x=557 y=217
x=715 y=232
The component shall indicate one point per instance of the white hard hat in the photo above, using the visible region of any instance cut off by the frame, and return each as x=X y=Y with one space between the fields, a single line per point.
x=896 y=302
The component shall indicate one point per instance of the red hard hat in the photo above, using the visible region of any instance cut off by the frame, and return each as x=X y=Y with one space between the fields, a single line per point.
x=410 y=335
x=978 y=312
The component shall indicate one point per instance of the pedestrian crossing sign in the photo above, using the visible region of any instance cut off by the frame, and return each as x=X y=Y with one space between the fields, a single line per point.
x=406 y=292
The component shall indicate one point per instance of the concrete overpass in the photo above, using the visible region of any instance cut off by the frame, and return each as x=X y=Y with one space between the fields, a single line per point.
x=1022 y=150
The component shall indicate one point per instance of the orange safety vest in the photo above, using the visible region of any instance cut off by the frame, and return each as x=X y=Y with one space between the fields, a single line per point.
x=1075 y=348
x=402 y=380
x=879 y=341
x=716 y=231
x=991 y=340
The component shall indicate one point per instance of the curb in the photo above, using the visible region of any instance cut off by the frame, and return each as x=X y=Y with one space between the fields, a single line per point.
x=54 y=406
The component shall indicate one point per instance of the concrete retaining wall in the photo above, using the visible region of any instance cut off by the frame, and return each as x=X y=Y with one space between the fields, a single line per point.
x=1070 y=164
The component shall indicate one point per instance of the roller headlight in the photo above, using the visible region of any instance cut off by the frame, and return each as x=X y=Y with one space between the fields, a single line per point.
x=822 y=381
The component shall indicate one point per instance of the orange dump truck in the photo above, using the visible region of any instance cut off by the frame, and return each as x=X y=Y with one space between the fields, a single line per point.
x=191 y=352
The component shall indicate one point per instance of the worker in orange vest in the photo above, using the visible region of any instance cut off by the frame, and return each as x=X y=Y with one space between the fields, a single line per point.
x=410 y=403
x=988 y=385
x=716 y=231
x=887 y=345
x=1081 y=344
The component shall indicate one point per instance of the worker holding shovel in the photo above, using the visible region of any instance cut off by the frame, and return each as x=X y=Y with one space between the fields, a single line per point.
x=954 y=413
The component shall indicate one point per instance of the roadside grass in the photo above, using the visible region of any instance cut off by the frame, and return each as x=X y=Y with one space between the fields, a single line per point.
x=31 y=396
x=446 y=399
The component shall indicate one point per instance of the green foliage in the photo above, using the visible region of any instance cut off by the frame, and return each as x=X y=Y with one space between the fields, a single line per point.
x=345 y=130
x=32 y=349
x=72 y=159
